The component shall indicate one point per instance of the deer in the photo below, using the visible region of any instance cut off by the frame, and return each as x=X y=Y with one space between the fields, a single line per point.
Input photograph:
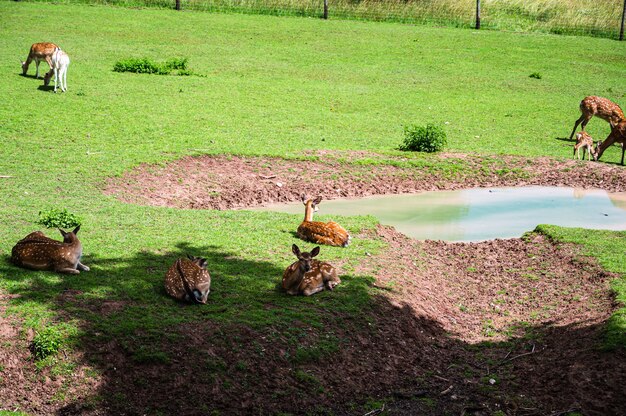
x=329 y=233
x=617 y=135
x=598 y=106
x=60 y=62
x=39 y=52
x=188 y=280
x=38 y=252
x=307 y=276
x=584 y=141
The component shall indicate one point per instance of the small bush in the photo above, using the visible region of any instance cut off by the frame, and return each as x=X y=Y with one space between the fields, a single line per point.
x=46 y=342
x=56 y=218
x=148 y=66
x=429 y=139
x=535 y=75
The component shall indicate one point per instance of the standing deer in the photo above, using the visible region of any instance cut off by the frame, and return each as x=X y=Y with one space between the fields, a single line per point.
x=600 y=107
x=307 y=276
x=38 y=252
x=584 y=141
x=39 y=52
x=617 y=135
x=60 y=62
x=188 y=280
x=318 y=232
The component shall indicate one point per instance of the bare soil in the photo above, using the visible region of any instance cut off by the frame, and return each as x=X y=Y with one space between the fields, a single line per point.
x=511 y=326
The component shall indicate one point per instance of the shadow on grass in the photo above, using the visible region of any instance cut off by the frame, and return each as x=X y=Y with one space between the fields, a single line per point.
x=254 y=350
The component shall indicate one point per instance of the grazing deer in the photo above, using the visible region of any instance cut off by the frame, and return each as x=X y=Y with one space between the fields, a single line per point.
x=600 y=107
x=39 y=52
x=188 y=280
x=617 y=135
x=38 y=252
x=584 y=141
x=308 y=276
x=60 y=62
x=318 y=232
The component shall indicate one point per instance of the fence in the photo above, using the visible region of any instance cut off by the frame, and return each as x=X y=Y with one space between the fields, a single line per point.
x=603 y=18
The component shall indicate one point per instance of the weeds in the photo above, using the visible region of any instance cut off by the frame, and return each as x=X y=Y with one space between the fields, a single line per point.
x=58 y=218
x=148 y=66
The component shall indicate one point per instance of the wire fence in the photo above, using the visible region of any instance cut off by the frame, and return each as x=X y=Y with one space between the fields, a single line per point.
x=602 y=18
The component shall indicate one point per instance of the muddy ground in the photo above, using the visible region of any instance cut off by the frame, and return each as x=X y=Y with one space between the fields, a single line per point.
x=503 y=327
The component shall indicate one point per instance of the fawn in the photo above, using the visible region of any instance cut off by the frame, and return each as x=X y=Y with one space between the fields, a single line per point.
x=39 y=52
x=307 y=276
x=188 y=280
x=38 y=252
x=60 y=61
x=617 y=135
x=318 y=232
x=584 y=141
x=600 y=107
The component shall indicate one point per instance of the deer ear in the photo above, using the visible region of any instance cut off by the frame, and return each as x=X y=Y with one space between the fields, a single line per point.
x=303 y=197
x=202 y=263
x=63 y=233
x=315 y=251
x=317 y=200
x=76 y=230
x=296 y=250
x=190 y=257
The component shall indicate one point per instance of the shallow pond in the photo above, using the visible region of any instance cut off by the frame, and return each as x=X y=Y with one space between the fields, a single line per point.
x=482 y=213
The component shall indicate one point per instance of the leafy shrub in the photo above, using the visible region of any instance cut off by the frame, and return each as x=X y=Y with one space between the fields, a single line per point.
x=148 y=66
x=430 y=138
x=535 y=75
x=46 y=342
x=57 y=218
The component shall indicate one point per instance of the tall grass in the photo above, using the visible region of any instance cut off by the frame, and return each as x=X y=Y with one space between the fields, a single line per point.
x=582 y=17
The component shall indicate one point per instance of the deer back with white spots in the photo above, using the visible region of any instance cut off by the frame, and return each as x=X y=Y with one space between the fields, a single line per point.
x=38 y=252
x=308 y=276
x=188 y=280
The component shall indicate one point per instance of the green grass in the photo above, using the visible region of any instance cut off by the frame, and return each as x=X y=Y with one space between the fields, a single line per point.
x=270 y=86
x=588 y=17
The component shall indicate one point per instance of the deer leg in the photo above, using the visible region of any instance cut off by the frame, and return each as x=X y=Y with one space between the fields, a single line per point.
x=82 y=267
x=37 y=68
x=312 y=291
x=623 y=149
x=67 y=270
x=582 y=117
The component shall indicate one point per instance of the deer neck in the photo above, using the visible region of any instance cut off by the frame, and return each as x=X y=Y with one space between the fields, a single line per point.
x=308 y=211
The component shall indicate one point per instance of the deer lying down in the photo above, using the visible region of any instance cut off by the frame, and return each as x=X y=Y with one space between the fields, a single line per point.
x=599 y=107
x=308 y=276
x=188 y=280
x=38 y=252
x=318 y=232
x=39 y=52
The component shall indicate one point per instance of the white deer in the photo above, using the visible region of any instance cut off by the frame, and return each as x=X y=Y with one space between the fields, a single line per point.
x=60 y=62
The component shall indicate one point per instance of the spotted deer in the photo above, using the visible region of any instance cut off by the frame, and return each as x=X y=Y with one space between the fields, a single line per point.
x=307 y=276
x=60 y=63
x=617 y=135
x=584 y=141
x=38 y=252
x=318 y=232
x=39 y=52
x=188 y=280
x=600 y=107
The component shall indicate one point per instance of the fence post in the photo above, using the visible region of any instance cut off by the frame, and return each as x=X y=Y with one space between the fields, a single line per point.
x=326 y=9
x=621 y=30
x=177 y=4
x=478 y=14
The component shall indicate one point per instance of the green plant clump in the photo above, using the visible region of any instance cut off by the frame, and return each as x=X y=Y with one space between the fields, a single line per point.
x=535 y=75
x=431 y=138
x=148 y=66
x=57 y=218
x=46 y=342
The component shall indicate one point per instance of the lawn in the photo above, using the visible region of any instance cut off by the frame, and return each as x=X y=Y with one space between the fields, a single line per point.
x=261 y=85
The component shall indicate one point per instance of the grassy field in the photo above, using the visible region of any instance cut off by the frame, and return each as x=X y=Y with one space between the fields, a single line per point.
x=263 y=86
x=587 y=17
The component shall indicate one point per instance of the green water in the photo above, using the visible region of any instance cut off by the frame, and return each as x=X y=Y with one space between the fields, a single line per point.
x=481 y=214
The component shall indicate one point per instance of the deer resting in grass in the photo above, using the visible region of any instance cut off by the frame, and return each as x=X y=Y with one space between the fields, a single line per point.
x=584 y=141
x=318 y=232
x=39 y=52
x=308 y=276
x=60 y=61
x=38 y=252
x=188 y=280
x=599 y=107
x=617 y=135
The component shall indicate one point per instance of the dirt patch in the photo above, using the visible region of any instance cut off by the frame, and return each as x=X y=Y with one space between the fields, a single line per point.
x=229 y=182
